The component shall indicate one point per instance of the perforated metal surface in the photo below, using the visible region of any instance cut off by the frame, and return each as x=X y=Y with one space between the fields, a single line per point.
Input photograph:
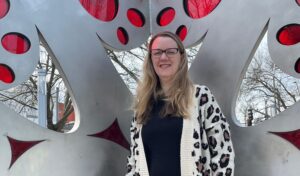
x=230 y=33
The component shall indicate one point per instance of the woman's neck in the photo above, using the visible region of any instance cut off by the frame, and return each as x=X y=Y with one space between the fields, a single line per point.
x=165 y=85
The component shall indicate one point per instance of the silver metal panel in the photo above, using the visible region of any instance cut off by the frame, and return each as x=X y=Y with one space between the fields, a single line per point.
x=137 y=36
x=230 y=35
x=284 y=57
x=196 y=27
x=227 y=50
x=98 y=93
x=259 y=152
x=16 y=20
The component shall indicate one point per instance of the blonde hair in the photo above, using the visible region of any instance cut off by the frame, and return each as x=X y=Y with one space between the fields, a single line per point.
x=149 y=90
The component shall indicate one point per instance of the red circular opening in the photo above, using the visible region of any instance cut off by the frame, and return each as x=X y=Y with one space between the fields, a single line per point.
x=136 y=17
x=6 y=74
x=199 y=8
x=289 y=34
x=297 y=66
x=122 y=35
x=181 y=32
x=4 y=7
x=165 y=16
x=104 y=10
x=15 y=43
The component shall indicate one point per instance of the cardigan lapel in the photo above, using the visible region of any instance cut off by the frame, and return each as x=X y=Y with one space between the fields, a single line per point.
x=186 y=144
x=143 y=167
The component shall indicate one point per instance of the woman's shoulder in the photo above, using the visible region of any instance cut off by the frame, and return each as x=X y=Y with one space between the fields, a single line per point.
x=201 y=86
x=201 y=89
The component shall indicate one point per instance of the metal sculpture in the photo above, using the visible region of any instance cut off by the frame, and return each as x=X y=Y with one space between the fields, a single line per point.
x=74 y=33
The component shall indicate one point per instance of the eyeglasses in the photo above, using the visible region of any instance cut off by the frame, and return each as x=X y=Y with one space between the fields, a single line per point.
x=169 y=52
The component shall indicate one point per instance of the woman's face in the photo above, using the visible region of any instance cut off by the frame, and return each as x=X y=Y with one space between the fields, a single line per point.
x=165 y=57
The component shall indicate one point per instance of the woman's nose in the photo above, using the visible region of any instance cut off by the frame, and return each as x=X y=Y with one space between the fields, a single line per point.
x=163 y=56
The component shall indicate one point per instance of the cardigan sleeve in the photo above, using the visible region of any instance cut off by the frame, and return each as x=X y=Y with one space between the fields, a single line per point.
x=219 y=138
x=131 y=161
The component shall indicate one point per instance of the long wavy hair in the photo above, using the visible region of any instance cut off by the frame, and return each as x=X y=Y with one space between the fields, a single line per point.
x=179 y=95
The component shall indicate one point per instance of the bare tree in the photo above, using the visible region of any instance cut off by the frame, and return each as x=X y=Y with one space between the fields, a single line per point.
x=23 y=98
x=265 y=89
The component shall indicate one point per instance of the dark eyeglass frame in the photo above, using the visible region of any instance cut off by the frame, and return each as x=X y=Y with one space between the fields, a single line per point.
x=168 y=52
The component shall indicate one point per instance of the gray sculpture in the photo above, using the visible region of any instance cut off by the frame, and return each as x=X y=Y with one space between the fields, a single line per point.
x=75 y=31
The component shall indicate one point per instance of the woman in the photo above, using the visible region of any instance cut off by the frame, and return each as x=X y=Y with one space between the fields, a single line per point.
x=178 y=128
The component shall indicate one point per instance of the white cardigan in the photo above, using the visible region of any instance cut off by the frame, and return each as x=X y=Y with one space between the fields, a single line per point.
x=205 y=147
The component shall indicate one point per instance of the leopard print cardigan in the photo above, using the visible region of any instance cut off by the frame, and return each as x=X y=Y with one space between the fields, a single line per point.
x=206 y=147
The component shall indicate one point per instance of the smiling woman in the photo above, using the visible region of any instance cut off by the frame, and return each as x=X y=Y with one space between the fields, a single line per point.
x=175 y=117
x=165 y=59
x=165 y=72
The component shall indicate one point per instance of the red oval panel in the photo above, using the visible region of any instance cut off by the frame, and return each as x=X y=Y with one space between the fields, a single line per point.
x=4 y=7
x=165 y=16
x=298 y=2
x=122 y=35
x=6 y=74
x=104 y=10
x=199 y=8
x=289 y=34
x=297 y=66
x=181 y=32
x=136 y=17
x=15 y=43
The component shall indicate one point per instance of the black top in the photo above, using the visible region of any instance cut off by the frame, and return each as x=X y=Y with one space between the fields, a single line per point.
x=161 y=139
